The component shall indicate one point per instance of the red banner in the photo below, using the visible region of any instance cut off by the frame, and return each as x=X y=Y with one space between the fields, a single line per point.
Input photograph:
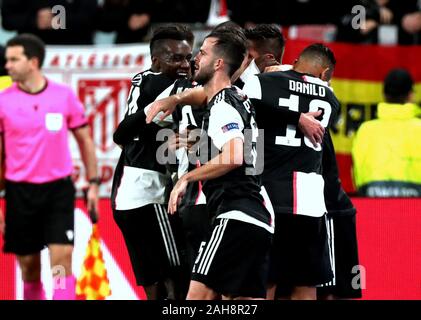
x=389 y=239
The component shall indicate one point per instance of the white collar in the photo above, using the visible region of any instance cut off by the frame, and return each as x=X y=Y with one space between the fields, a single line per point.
x=250 y=71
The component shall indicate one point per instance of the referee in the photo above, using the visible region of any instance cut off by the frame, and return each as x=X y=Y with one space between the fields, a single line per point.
x=35 y=117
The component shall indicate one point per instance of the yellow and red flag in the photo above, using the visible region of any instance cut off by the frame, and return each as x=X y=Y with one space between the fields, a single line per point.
x=93 y=283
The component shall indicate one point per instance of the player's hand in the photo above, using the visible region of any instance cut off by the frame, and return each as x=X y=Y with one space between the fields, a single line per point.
x=180 y=140
x=173 y=142
x=44 y=19
x=138 y=21
x=411 y=22
x=368 y=26
x=279 y=67
x=311 y=127
x=2 y=223
x=386 y=15
x=166 y=105
x=92 y=201
x=176 y=194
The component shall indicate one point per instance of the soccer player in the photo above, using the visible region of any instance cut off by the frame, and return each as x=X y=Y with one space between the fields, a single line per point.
x=192 y=208
x=266 y=45
x=186 y=122
x=180 y=157
x=138 y=192
x=341 y=229
x=35 y=117
x=293 y=168
x=233 y=261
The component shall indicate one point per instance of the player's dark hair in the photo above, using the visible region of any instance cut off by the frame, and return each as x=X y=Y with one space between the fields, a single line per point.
x=267 y=38
x=173 y=31
x=231 y=46
x=321 y=53
x=33 y=46
x=228 y=25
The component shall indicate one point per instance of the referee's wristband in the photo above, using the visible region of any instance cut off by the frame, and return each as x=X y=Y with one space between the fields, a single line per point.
x=96 y=180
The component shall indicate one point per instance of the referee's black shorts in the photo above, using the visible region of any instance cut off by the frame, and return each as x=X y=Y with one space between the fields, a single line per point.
x=153 y=239
x=38 y=215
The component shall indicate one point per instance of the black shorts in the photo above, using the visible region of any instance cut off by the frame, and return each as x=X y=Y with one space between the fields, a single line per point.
x=38 y=215
x=344 y=252
x=197 y=228
x=152 y=238
x=300 y=253
x=235 y=260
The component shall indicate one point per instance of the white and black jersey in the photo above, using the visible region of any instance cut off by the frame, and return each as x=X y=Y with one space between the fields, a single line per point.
x=292 y=172
x=190 y=118
x=139 y=179
x=250 y=71
x=235 y=195
x=337 y=201
x=185 y=117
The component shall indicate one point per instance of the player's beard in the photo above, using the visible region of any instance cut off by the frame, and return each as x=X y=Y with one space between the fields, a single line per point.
x=203 y=75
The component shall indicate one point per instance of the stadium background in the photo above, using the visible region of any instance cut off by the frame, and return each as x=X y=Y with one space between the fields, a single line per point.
x=388 y=229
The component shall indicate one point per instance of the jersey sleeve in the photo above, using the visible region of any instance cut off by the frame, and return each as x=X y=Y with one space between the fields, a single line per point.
x=168 y=120
x=166 y=93
x=142 y=93
x=225 y=124
x=268 y=114
x=252 y=88
x=336 y=106
x=76 y=116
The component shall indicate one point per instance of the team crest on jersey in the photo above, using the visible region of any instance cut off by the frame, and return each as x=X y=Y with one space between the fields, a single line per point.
x=230 y=126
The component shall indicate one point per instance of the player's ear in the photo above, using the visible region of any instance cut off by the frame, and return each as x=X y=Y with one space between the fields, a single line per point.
x=269 y=56
x=219 y=63
x=411 y=97
x=281 y=58
x=155 y=62
x=325 y=75
x=34 y=61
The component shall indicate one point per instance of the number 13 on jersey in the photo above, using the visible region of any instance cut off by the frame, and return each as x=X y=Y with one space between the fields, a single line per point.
x=292 y=104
